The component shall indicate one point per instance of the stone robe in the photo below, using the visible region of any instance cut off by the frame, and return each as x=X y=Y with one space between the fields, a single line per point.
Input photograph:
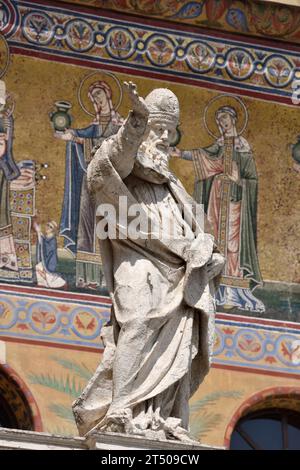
x=160 y=341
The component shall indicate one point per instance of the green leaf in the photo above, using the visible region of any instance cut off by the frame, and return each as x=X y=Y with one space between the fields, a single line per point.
x=204 y=423
x=80 y=369
x=59 y=384
x=62 y=411
x=212 y=398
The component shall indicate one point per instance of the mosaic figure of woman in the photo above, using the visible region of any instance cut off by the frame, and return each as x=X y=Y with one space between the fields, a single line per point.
x=77 y=224
x=226 y=184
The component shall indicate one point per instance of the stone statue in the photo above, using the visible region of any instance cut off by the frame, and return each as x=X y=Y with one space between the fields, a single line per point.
x=160 y=337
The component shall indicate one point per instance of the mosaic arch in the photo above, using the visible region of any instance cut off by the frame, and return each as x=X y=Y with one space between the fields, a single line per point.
x=274 y=397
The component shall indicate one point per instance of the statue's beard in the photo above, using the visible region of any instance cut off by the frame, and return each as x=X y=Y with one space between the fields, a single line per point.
x=151 y=164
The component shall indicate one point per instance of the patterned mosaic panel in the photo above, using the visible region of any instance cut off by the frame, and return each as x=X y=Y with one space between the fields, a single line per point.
x=22 y=207
x=198 y=57
x=244 y=16
x=53 y=320
x=240 y=341
x=259 y=345
x=21 y=227
x=23 y=202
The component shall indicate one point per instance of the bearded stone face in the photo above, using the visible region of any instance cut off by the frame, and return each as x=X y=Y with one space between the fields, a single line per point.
x=152 y=161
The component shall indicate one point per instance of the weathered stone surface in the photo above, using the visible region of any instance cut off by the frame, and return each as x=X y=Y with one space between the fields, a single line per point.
x=116 y=441
x=15 y=439
x=161 y=281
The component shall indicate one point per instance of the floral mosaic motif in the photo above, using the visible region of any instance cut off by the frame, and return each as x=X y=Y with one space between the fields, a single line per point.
x=278 y=71
x=53 y=321
x=275 y=20
x=219 y=341
x=160 y=50
x=239 y=64
x=85 y=323
x=120 y=43
x=200 y=56
x=287 y=349
x=190 y=10
x=79 y=35
x=247 y=16
x=249 y=345
x=79 y=324
x=43 y=320
x=38 y=28
x=265 y=348
x=137 y=45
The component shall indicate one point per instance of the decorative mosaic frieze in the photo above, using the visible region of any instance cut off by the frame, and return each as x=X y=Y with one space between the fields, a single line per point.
x=196 y=57
x=259 y=18
x=74 y=320
x=259 y=345
x=70 y=322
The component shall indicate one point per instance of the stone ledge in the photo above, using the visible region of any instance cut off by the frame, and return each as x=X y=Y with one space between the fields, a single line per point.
x=22 y=440
x=15 y=439
x=116 y=441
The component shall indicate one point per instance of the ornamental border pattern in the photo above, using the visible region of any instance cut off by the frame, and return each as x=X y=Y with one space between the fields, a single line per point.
x=53 y=321
x=249 y=67
x=256 y=18
x=260 y=345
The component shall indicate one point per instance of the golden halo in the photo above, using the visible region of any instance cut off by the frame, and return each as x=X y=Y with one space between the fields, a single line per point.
x=219 y=101
x=87 y=81
x=4 y=56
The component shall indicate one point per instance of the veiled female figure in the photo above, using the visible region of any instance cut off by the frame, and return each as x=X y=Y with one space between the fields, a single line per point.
x=226 y=184
x=77 y=224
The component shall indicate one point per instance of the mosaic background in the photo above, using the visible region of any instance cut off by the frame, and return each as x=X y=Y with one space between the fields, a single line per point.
x=50 y=339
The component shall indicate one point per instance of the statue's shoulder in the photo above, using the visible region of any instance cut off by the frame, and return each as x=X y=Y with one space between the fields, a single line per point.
x=175 y=181
x=178 y=188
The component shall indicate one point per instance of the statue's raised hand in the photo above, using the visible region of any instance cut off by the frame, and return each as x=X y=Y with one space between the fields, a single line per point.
x=138 y=103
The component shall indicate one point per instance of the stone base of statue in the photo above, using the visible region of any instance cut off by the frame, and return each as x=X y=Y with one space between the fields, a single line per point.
x=16 y=439
x=116 y=441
